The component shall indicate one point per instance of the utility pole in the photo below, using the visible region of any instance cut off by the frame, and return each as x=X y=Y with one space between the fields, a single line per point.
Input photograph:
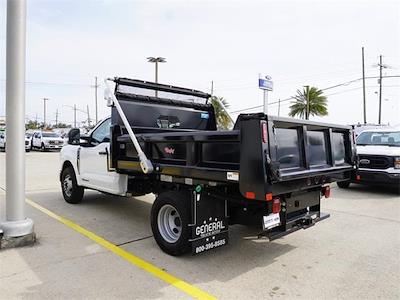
x=88 y=115
x=44 y=112
x=279 y=107
x=308 y=102
x=363 y=79
x=381 y=66
x=56 y=117
x=95 y=97
x=156 y=60
x=17 y=229
x=74 y=115
x=212 y=87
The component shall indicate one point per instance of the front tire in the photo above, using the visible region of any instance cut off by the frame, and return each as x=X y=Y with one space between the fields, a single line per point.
x=72 y=192
x=43 y=148
x=343 y=184
x=170 y=218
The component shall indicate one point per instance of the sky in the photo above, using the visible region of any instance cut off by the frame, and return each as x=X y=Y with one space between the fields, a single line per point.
x=297 y=43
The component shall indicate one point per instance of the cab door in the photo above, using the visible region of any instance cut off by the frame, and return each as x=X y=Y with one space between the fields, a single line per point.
x=36 y=142
x=94 y=162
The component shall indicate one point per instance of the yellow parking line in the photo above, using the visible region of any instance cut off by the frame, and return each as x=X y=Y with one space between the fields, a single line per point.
x=133 y=259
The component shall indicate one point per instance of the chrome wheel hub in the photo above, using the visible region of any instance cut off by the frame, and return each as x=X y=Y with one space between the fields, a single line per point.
x=169 y=223
x=68 y=186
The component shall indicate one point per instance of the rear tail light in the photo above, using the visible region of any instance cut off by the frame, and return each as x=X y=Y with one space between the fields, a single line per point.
x=250 y=195
x=326 y=191
x=397 y=162
x=264 y=132
x=276 y=206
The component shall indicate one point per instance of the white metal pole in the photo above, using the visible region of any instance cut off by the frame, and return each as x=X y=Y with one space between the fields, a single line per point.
x=265 y=102
x=16 y=224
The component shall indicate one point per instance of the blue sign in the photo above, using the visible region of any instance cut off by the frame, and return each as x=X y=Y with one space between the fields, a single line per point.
x=265 y=83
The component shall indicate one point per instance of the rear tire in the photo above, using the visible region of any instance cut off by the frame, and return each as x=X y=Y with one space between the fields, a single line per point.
x=72 y=192
x=170 y=218
x=343 y=184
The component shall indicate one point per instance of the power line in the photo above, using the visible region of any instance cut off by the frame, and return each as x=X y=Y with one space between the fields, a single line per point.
x=324 y=89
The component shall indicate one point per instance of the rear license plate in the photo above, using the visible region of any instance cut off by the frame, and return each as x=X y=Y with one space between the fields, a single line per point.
x=271 y=221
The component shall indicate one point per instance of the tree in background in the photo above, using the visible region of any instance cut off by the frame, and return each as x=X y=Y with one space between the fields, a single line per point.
x=223 y=120
x=32 y=125
x=61 y=125
x=318 y=103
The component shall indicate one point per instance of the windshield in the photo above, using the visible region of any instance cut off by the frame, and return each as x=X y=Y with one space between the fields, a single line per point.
x=50 y=134
x=387 y=138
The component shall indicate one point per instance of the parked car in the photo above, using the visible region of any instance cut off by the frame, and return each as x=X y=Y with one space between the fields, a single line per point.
x=47 y=140
x=3 y=142
x=378 y=152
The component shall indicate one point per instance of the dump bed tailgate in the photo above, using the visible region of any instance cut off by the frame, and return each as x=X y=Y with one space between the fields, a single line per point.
x=281 y=155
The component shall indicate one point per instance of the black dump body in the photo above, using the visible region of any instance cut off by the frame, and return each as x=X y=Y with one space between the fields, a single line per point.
x=181 y=140
x=262 y=157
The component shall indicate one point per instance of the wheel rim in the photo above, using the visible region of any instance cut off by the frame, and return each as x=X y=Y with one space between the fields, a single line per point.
x=67 y=185
x=169 y=223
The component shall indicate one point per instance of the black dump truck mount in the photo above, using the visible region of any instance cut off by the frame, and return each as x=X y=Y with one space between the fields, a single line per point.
x=268 y=172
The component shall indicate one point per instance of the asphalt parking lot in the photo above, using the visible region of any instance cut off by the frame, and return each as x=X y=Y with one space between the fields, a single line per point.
x=355 y=254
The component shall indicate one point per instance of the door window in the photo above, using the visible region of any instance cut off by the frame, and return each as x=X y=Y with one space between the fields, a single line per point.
x=102 y=133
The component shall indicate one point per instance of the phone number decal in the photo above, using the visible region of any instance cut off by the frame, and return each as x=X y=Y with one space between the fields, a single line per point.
x=211 y=245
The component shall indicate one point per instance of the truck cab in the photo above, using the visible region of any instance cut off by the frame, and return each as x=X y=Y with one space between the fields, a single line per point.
x=90 y=160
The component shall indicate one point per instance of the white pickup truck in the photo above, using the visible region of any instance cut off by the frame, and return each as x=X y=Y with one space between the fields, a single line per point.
x=378 y=152
x=267 y=172
x=47 y=140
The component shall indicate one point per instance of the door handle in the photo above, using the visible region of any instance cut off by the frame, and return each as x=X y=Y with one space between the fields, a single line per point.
x=103 y=153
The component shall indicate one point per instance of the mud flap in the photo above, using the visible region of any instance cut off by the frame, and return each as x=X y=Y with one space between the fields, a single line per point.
x=209 y=228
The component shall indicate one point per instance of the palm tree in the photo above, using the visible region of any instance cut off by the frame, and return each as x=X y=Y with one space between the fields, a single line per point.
x=318 y=103
x=222 y=117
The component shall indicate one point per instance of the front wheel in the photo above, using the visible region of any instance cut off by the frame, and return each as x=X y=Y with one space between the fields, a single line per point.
x=170 y=218
x=343 y=184
x=72 y=192
x=43 y=148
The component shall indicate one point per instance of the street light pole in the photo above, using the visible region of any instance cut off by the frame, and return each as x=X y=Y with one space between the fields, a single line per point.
x=95 y=97
x=74 y=115
x=17 y=228
x=156 y=60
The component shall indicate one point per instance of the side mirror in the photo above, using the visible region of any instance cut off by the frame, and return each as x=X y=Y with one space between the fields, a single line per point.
x=74 y=136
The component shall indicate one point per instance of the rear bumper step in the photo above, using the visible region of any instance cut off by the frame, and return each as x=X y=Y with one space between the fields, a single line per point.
x=303 y=222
